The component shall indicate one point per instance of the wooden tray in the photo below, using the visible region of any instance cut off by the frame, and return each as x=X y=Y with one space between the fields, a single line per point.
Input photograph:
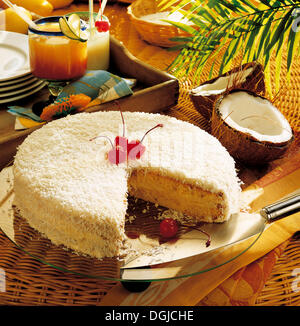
x=155 y=91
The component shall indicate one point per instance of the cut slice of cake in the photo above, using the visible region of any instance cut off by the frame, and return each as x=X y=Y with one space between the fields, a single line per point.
x=68 y=189
x=189 y=199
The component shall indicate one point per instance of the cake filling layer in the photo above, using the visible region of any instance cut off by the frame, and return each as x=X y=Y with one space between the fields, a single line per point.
x=189 y=199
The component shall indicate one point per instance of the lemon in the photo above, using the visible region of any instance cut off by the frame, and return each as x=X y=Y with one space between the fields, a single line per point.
x=12 y=22
x=71 y=28
x=39 y=7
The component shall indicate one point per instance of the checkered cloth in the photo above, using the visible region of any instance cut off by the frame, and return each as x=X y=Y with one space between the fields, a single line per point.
x=98 y=85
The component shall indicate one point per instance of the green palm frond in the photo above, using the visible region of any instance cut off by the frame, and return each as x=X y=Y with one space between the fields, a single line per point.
x=225 y=28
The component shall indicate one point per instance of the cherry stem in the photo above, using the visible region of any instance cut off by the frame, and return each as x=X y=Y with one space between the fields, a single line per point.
x=104 y=137
x=204 y=232
x=160 y=125
x=123 y=123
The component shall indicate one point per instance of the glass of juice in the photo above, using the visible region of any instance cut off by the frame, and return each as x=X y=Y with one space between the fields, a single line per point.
x=98 y=42
x=98 y=49
x=53 y=56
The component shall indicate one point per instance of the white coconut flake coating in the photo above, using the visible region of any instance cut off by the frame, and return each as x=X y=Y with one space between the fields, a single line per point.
x=63 y=178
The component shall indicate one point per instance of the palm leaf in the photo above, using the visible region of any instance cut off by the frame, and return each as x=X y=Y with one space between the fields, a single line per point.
x=278 y=64
x=293 y=43
x=249 y=4
x=167 y=4
x=253 y=29
x=228 y=5
x=279 y=51
x=263 y=34
x=280 y=29
x=266 y=3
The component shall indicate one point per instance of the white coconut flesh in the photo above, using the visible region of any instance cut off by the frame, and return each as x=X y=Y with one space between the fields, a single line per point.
x=255 y=116
x=223 y=83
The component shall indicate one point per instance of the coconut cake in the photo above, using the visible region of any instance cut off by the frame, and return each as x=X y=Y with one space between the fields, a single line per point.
x=67 y=187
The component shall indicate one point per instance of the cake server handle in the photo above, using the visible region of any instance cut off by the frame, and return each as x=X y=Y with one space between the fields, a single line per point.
x=281 y=209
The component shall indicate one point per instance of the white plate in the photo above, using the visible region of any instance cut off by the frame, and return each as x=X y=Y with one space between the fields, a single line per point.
x=22 y=95
x=14 y=55
x=15 y=80
x=18 y=85
x=21 y=90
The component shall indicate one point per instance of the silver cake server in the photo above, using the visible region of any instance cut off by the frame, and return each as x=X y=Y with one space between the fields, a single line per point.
x=239 y=227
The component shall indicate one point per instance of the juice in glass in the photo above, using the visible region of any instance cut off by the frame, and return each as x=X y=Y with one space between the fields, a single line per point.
x=98 y=50
x=54 y=56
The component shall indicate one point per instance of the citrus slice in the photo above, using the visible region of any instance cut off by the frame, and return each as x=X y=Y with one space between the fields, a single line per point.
x=71 y=28
x=74 y=23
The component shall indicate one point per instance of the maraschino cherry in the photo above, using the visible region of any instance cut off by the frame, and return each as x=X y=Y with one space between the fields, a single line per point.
x=135 y=148
x=168 y=228
x=102 y=25
x=118 y=153
x=122 y=150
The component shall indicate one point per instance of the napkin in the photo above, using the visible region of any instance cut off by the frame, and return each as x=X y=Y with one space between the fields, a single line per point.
x=95 y=87
x=244 y=286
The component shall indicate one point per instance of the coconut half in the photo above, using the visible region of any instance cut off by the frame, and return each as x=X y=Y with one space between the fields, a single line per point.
x=249 y=76
x=252 y=129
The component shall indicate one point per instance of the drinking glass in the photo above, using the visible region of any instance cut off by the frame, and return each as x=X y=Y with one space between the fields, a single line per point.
x=98 y=49
x=55 y=57
x=98 y=44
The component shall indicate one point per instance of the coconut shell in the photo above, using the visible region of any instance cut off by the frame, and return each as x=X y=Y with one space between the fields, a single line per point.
x=254 y=82
x=243 y=147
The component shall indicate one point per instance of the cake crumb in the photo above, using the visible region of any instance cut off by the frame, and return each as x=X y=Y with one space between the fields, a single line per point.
x=130 y=218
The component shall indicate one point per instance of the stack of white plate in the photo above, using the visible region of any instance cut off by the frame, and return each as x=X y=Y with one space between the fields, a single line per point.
x=16 y=80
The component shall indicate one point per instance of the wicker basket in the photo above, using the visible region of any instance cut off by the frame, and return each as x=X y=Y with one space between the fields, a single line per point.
x=152 y=32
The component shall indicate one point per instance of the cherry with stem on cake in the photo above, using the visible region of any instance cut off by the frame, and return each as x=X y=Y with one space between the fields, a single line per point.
x=136 y=148
x=118 y=153
x=122 y=150
x=122 y=140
